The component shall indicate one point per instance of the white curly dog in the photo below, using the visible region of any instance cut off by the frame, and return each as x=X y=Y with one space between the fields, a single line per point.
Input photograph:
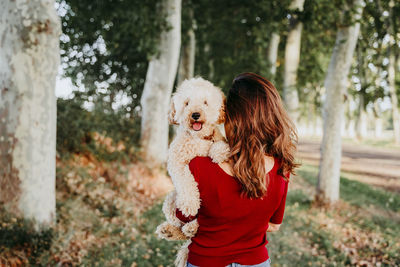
x=197 y=108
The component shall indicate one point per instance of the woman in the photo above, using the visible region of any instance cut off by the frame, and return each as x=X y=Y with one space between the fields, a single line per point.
x=244 y=198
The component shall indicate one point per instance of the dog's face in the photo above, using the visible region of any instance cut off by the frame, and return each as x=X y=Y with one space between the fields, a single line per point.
x=197 y=106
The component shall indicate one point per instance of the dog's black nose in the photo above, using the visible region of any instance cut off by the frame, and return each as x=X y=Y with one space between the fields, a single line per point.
x=195 y=115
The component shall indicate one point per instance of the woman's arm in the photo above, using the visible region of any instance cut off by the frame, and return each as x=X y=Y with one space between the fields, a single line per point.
x=272 y=227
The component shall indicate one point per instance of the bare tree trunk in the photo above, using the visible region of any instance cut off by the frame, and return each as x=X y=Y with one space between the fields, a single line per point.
x=186 y=64
x=157 y=91
x=29 y=60
x=335 y=85
x=292 y=59
x=393 y=96
x=362 y=120
x=273 y=52
x=351 y=125
x=377 y=113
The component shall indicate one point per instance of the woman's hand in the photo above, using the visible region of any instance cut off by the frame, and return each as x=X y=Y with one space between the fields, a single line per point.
x=273 y=227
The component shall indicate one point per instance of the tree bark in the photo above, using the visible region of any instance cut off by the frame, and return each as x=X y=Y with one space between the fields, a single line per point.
x=273 y=52
x=377 y=113
x=335 y=85
x=292 y=59
x=29 y=61
x=362 y=119
x=393 y=96
x=186 y=64
x=157 y=91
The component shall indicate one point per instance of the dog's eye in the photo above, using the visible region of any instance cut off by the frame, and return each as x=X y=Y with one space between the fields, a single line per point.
x=186 y=103
x=205 y=102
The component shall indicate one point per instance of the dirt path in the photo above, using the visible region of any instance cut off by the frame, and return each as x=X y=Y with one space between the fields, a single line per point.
x=373 y=165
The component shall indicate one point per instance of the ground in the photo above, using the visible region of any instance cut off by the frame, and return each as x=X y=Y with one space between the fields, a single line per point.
x=107 y=214
x=368 y=162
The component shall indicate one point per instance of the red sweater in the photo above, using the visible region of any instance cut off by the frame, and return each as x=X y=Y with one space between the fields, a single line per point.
x=232 y=228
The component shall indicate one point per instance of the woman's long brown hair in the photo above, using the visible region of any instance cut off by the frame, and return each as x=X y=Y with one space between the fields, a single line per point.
x=257 y=125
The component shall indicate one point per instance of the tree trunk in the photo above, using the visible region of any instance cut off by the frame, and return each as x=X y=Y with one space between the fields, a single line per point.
x=362 y=120
x=273 y=52
x=157 y=91
x=335 y=85
x=29 y=61
x=377 y=114
x=393 y=96
x=186 y=64
x=292 y=59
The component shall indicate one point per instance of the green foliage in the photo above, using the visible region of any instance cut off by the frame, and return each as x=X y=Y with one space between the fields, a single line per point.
x=106 y=44
x=73 y=126
x=232 y=37
x=17 y=234
x=77 y=128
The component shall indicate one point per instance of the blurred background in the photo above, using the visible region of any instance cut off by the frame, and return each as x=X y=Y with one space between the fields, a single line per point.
x=336 y=64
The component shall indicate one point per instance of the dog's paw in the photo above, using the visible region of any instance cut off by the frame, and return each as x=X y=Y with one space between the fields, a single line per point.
x=190 y=229
x=219 y=151
x=188 y=206
x=170 y=232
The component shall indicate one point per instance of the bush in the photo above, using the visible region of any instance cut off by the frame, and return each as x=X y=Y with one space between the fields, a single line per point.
x=105 y=134
x=20 y=242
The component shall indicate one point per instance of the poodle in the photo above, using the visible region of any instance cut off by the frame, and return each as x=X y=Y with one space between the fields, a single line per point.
x=197 y=108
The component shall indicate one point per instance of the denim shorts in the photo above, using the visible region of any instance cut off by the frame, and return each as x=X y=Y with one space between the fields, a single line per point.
x=266 y=263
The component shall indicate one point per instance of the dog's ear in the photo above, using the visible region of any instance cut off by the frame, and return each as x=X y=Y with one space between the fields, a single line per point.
x=172 y=112
x=221 y=118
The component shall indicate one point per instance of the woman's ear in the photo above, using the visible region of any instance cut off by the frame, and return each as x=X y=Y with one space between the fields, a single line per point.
x=221 y=118
x=172 y=113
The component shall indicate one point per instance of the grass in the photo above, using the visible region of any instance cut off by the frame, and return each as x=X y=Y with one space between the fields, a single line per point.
x=357 y=193
x=379 y=143
x=98 y=225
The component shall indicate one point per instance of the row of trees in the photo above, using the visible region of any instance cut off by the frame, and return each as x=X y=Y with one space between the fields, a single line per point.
x=126 y=56
x=378 y=23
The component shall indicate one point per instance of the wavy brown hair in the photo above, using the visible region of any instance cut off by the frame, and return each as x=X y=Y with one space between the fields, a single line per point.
x=257 y=125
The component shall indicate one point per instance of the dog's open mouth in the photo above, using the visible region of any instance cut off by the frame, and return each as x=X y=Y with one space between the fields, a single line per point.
x=197 y=126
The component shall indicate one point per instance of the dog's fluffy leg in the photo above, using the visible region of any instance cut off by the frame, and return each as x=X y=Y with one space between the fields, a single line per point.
x=219 y=152
x=169 y=209
x=182 y=256
x=170 y=232
x=188 y=200
x=190 y=229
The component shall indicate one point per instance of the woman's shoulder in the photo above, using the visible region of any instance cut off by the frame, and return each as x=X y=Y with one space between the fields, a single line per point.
x=277 y=173
x=202 y=168
x=200 y=162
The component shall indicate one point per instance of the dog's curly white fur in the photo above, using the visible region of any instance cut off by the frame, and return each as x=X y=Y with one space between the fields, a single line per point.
x=197 y=107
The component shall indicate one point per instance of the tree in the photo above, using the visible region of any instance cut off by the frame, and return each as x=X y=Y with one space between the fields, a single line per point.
x=393 y=46
x=292 y=59
x=29 y=34
x=188 y=50
x=272 y=55
x=157 y=90
x=335 y=85
x=105 y=50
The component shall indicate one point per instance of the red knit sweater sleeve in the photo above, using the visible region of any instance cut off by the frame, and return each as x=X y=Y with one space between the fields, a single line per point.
x=277 y=217
x=193 y=166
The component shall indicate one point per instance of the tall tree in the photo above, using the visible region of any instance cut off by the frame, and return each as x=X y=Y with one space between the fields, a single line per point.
x=335 y=85
x=29 y=60
x=393 y=95
x=272 y=55
x=292 y=59
x=188 y=50
x=393 y=47
x=157 y=91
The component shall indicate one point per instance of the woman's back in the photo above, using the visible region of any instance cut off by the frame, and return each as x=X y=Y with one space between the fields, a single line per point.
x=232 y=226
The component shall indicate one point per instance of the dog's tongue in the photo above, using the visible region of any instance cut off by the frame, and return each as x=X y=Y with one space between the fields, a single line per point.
x=197 y=126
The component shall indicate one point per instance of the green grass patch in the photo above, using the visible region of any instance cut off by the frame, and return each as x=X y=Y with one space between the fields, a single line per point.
x=355 y=192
